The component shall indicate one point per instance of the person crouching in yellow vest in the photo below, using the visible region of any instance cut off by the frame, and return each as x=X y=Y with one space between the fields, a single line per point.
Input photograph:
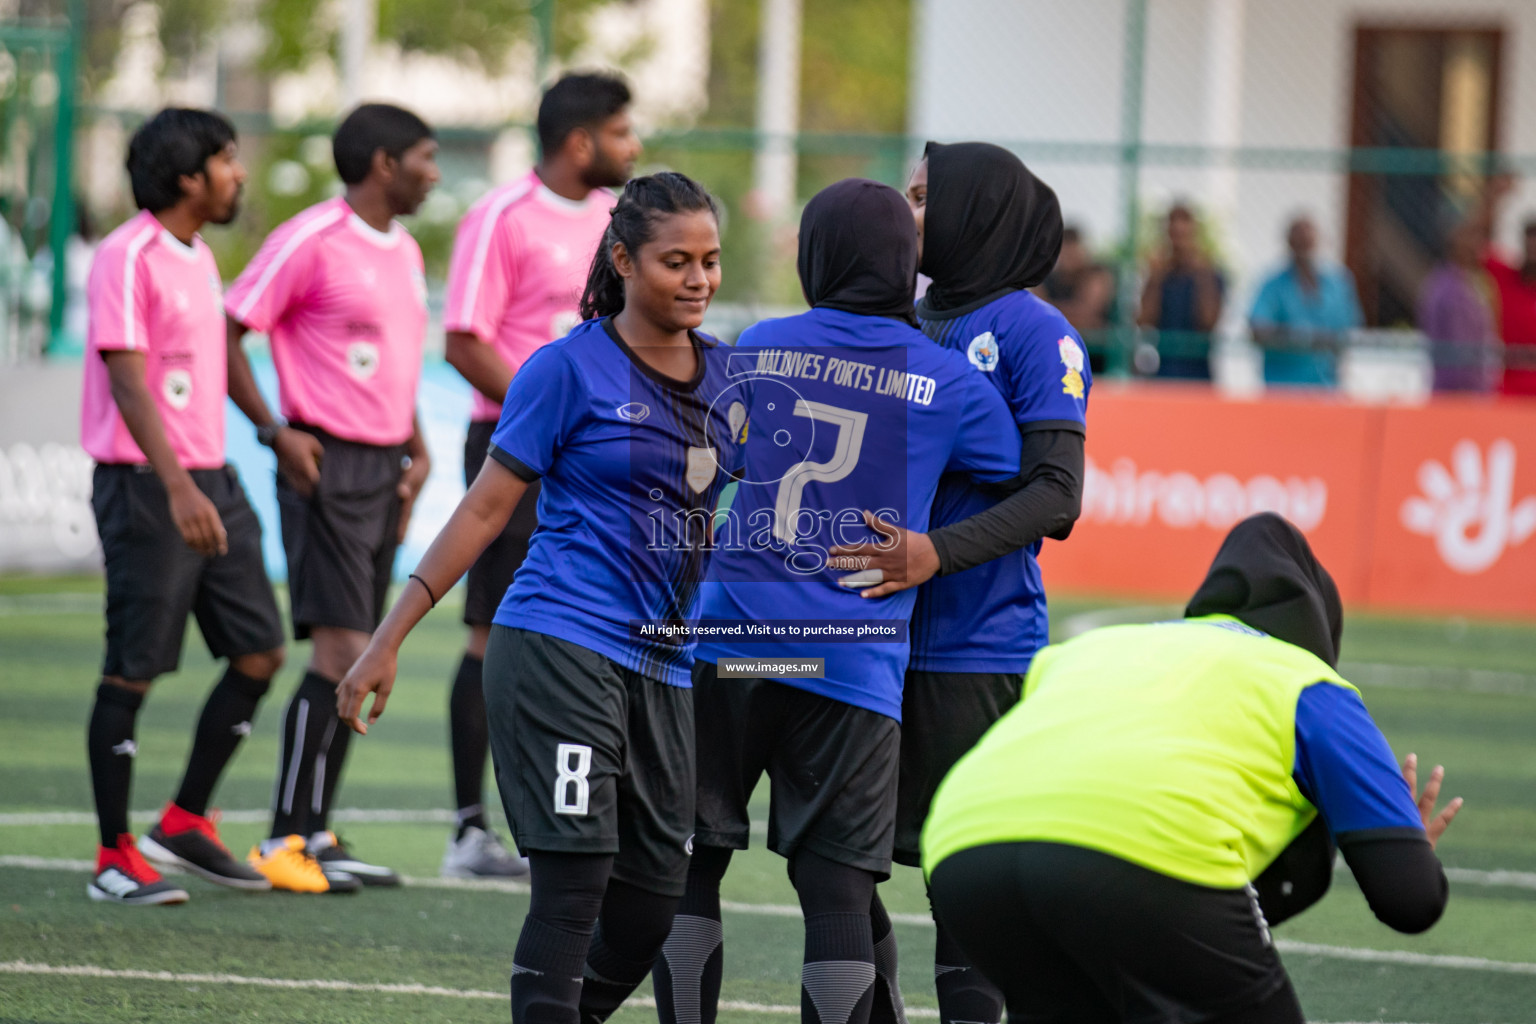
x=1116 y=846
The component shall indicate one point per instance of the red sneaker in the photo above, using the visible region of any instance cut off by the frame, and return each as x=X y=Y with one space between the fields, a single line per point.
x=191 y=841
x=123 y=876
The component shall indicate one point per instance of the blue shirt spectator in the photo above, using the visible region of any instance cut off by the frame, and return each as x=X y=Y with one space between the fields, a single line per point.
x=1182 y=299
x=1302 y=312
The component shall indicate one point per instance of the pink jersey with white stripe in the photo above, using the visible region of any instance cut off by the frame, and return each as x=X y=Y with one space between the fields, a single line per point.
x=520 y=262
x=346 y=309
x=149 y=293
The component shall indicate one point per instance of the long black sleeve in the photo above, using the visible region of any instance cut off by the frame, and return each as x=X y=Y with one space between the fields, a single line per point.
x=1400 y=876
x=1046 y=504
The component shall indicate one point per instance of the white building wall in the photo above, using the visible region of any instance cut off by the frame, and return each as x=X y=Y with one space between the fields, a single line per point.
x=1033 y=71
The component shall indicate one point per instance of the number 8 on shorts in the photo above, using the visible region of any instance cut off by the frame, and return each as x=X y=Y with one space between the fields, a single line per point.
x=572 y=763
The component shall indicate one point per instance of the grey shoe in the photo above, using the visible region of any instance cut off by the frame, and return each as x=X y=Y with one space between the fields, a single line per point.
x=479 y=853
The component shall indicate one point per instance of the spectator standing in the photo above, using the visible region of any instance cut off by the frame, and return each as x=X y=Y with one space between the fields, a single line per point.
x=1456 y=313
x=1302 y=313
x=1515 y=291
x=1182 y=299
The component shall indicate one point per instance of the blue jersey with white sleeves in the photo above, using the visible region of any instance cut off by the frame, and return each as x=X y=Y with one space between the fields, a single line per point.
x=992 y=618
x=632 y=463
x=844 y=413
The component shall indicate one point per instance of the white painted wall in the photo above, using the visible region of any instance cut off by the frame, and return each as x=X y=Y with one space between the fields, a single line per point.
x=1022 y=71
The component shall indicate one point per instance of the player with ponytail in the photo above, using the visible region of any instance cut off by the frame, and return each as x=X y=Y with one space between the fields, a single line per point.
x=591 y=721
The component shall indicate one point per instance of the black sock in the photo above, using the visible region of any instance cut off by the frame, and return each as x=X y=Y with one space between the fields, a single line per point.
x=110 y=747
x=837 y=980
x=469 y=739
x=687 y=973
x=546 y=974
x=311 y=708
x=552 y=948
x=964 y=992
x=888 y=1007
x=328 y=765
x=630 y=931
x=225 y=721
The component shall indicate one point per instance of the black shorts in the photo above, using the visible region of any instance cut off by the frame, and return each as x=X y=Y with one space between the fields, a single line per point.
x=591 y=757
x=1074 y=935
x=154 y=580
x=492 y=572
x=341 y=540
x=943 y=714
x=831 y=768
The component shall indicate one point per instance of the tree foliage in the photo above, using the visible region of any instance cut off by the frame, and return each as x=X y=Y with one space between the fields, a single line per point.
x=482 y=31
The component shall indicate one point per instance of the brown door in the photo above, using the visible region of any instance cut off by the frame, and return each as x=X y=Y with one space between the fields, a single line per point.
x=1425 y=90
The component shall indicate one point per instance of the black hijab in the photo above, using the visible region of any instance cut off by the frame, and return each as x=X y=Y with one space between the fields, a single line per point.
x=1266 y=576
x=858 y=250
x=991 y=227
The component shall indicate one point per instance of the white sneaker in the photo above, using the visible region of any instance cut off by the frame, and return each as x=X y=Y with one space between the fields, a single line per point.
x=479 y=853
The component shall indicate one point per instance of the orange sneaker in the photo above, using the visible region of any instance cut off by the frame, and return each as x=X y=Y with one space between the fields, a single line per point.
x=287 y=865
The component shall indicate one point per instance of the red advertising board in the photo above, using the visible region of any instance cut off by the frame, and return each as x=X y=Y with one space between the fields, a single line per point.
x=1420 y=509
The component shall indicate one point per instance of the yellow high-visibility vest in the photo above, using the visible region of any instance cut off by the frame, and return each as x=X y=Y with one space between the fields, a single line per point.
x=1168 y=745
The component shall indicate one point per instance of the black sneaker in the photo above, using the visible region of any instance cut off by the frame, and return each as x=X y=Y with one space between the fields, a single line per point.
x=194 y=845
x=334 y=856
x=122 y=876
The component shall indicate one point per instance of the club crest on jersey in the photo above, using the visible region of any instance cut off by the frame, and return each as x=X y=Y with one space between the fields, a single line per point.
x=635 y=412
x=983 y=352
x=177 y=389
x=362 y=359
x=702 y=465
x=1072 y=359
x=736 y=416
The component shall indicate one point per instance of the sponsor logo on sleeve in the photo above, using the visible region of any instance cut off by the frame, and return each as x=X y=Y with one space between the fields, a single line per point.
x=1072 y=359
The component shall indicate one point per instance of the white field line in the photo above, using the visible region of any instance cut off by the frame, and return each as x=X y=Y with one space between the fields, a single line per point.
x=330 y=985
x=344 y=816
x=1498 y=879
x=1402 y=956
x=1391 y=956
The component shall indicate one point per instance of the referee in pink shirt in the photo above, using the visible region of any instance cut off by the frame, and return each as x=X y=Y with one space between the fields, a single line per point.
x=340 y=291
x=178 y=535
x=520 y=262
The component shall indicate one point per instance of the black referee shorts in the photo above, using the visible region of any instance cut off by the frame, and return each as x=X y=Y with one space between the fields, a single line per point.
x=591 y=757
x=1075 y=936
x=154 y=581
x=341 y=540
x=943 y=715
x=492 y=572
x=831 y=768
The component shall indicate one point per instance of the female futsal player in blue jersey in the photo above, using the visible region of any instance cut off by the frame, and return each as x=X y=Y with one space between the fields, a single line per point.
x=991 y=230
x=591 y=723
x=848 y=408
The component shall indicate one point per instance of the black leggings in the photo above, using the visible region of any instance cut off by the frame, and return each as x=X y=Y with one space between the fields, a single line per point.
x=1074 y=936
x=587 y=940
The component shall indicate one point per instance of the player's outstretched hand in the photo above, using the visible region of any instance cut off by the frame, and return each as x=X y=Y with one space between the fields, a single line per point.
x=900 y=559
x=298 y=458
x=1434 y=824
x=412 y=479
x=197 y=520
x=373 y=673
